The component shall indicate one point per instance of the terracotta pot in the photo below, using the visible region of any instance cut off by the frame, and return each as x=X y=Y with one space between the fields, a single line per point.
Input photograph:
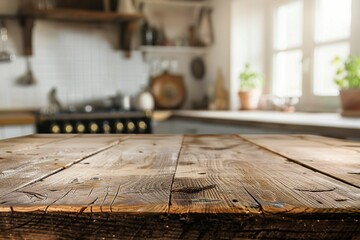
x=350 y=99
x=249 y=100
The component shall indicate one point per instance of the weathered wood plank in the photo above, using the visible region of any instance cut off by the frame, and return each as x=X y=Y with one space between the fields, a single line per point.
x=45 y=156
x=12 y=145
x=132 y=176
x=330 y=158
x=226 y=174
x=351 y=145
x=171 y=187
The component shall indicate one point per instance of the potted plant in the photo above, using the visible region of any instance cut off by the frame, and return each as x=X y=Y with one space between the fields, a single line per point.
x=250 y=88
x=347 y=79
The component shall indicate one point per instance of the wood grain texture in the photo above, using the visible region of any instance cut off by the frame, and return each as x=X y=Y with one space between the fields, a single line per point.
x=174 y=187
x=332 y=142
x=132 y=176
x=30 y=159
x=338 y=161
x=219 y=174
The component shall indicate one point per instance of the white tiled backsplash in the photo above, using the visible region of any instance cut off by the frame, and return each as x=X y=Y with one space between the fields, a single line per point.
x=80 y=60
x=83 y=63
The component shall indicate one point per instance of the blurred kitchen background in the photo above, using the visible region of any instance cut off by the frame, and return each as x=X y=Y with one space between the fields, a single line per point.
x=180 y=66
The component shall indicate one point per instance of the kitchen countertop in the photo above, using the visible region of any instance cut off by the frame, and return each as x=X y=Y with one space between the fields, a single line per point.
x=179 y=187
x=320 y=123
x=17 y=118
x=309 y=122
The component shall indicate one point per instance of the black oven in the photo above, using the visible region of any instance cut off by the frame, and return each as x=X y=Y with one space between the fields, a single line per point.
x=95 y=123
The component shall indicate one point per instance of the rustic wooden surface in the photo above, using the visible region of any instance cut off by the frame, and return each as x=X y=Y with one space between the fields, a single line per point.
x=179 y=187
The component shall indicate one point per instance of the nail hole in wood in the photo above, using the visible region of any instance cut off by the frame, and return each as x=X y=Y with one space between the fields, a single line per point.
x=341 y=200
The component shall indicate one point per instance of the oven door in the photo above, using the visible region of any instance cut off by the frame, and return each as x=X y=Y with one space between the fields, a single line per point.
x=94 y=124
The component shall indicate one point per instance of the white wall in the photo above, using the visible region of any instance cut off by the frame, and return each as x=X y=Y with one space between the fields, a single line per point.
x=82 y=62
x=248 y=41
x=355 y=40
x=218 y=56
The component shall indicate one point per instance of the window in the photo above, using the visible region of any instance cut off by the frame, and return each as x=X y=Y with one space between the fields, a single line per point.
x=332 y=38
x=287 y=50
x=308 y=35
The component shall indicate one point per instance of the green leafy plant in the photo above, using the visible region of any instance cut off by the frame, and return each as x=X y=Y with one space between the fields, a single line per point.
x=250 y=80
x=348 y=72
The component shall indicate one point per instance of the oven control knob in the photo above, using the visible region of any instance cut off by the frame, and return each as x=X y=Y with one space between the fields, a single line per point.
x=106 y=128
x=80 y=128
x=142 y=126
x=68 y=128
x=119 y=127
x=131 y=127
x=93 y=127
x=55 y=128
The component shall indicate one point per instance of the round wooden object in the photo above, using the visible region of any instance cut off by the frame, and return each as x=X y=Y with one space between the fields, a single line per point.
x=169 y=91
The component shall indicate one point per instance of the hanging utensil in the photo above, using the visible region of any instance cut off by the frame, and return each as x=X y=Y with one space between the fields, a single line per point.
x=205 y=31
x=28 y=79
x=5 y=56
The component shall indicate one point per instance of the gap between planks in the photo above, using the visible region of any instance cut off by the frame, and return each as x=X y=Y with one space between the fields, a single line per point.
x=299 y=163
x=72 y=163
x=173 y=178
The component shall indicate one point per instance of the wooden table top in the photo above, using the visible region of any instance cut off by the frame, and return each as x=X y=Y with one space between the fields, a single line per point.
x=179 y=187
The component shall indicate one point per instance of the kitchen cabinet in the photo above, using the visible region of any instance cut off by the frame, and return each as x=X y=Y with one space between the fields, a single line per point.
x=16 y=131
x=175 y=126
x=16 y=123
x=257 y=122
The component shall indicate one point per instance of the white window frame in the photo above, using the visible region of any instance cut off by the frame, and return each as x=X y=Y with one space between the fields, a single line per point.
x=309 y=101
x=276 y=50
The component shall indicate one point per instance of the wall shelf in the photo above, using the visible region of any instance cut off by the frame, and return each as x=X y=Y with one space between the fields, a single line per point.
x=126 y=22
x=179 y=3
x=174 y=49
x=76 y=15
